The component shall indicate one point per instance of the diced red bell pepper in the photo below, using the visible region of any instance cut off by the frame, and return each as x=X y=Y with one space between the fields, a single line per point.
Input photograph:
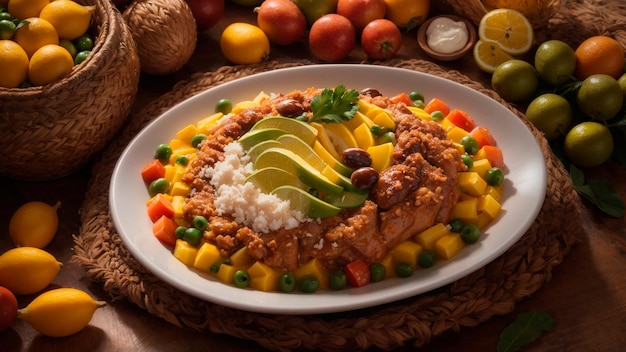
x=152 y=171
x=461 y=119
x=483 y=136
x=402 y=98
x=165 y=230
x=437 y=104
x=357 y=273
x=494 y=155
x=160 y=206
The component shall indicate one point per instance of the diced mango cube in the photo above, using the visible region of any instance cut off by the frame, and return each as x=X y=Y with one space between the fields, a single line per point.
x=466 y=210
x=389 y=265
x=480 y=167
x=170 y=171
x=456 y=133
x=406 y=252
x=185 y=252
x=383 y=119
x=241 y=257
x=186 y=149
x=263 y=277
x=187 y=133
x=208 y=254
x=381 y=155
x=226 y=272
x=472 y=184
x=428 y=237
x=449 y=245
x=420 y=113
x=495 y=192
x=208 y=122
x=313 y=267
x=180 y=188
x=446 y=124
x=483 y=220
x=489 y=205
x=364 y=136
x=243 y=105
x=178 y=144
x=177 y=203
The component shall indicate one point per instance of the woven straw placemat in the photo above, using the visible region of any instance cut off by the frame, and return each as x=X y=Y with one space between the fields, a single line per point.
x=491 y=290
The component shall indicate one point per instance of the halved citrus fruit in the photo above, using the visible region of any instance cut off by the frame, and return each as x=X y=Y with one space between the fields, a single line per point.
x=488 y=55
x=509 y=28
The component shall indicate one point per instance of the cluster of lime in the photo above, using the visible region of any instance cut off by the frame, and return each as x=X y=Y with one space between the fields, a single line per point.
x=29 y=269
x=42 y=40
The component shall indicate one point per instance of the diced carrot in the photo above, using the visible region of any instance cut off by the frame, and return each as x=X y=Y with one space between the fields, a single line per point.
x=165 y=230
x=494 y=155
x=461 y=119
x=483 y=136
x=402 y=98
x=437 y=105
x=152 y=171
x=160 y=206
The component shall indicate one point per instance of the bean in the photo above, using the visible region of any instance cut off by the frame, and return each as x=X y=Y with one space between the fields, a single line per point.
x=371 y=92
x=364 y=178
x=290 y=108
x=356 y=158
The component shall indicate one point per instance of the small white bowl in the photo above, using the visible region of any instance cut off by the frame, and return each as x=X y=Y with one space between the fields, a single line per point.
x=422 y=40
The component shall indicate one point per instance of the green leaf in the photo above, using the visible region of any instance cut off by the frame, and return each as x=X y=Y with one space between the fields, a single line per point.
x=335 y=105
x=526 y=329
x=599 y=192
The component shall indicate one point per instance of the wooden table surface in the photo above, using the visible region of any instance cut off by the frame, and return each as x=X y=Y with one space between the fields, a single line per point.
x=586 y=295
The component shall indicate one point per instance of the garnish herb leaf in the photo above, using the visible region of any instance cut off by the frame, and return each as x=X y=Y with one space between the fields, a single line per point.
x=335 y=105
x=526 y=329
x=599 y=192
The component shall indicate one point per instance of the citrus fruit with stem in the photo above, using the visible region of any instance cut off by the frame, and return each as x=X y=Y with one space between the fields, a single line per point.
x=13 y=64
x=244 y=43
x=509 y=28
x=599 y=54
x=589 y=144
x=49 y=64
x=555 y=62
x=600 y=97
x=23 y=9
x=34 y=224
x=34 y=34
x=515 y=81
x=488 y=55
x=26 y=270
x=551 y=114
x=407 y=14
x=70 y=18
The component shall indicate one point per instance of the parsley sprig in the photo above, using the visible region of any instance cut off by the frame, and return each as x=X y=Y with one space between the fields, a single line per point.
x=335 y=105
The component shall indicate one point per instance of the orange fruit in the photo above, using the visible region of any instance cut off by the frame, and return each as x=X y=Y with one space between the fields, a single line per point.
x=244 y=44
x=509 y=28
x=599 y=54
x=23 y=9
x=35 y=34
x=13 y=64
x=407 y=14
x=70 y=19
x=49 y=64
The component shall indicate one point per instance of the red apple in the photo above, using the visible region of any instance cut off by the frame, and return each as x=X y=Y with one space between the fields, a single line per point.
x=282 y=21
x=361 y=12
x=381 y=39
x=206 y=12
x=332 y=37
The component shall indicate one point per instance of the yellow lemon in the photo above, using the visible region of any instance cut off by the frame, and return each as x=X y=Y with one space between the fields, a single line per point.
x=509 y=28
x=488 y=55
x=49 y=64
x=407 y=14
x=26 y=270
x=34 y=224
x=13 y=64
x=34 y=34
x=70 y=19
x=244 y=44
x=23 y=9
x=60 y=312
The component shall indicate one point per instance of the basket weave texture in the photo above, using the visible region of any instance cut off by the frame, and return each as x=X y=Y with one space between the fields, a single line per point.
x=50 y=131
x=491 y=290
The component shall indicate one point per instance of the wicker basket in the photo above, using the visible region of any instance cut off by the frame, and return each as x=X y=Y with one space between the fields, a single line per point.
x=50 y=131
x=539 y=13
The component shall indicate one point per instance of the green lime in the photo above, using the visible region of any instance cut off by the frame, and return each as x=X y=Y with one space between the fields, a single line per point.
x=515 y=80
x=84 y=42
x=589 y=144
x=5 y=16
x=600 y=97
x=7 y=28
x=622 y=83
x=551 y=114
x=69 y=46
x=555 y=62
x=81 y=56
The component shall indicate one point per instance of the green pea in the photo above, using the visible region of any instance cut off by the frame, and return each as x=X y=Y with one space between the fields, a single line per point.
x=494 y=176
x=180 y=232
x=376 y=130
x=160 y=185
x=416 y=96
x=241 y=278
x=182 y=160
x=378 y=272
x=427 y=258
x=81 y=56
x=467 y=160
x=200 y=222
x=84 y=42
x=456 y=225
x=437 y=115
x=404 y=270
x=470 y=144
x=193 y=236
x=337 y=280
x=309 y=284
x=195 y=140
x=419 y=104
x=224 y=106
x=287 y=282
x=163 y=153
x=470 y=233
x=215 y=267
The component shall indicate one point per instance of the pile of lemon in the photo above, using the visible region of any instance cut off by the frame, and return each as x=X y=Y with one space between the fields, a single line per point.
x=42 y=40
x=29 y=269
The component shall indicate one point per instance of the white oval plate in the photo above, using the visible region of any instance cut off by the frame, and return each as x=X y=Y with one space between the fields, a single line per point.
x=523 y=196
